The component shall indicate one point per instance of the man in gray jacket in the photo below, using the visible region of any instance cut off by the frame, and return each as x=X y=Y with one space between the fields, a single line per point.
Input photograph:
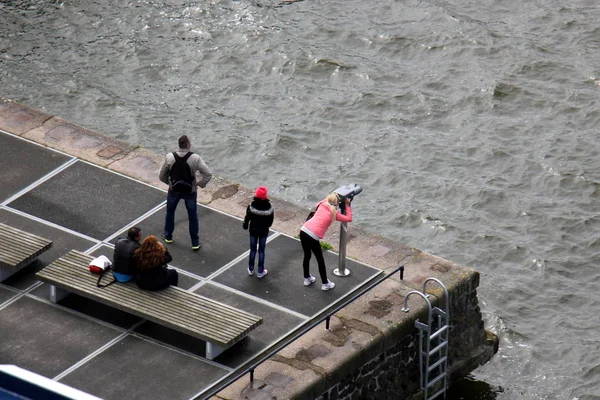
x=183 y=171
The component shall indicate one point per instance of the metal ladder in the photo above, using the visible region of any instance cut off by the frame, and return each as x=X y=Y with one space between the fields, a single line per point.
x=433 y=344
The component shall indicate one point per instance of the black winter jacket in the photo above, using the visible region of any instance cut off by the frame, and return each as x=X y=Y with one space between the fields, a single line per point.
x=259 y=216
x=123 y=262
x=155 y=278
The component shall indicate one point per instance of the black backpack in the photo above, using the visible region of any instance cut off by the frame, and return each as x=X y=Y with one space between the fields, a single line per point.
x=181 y=176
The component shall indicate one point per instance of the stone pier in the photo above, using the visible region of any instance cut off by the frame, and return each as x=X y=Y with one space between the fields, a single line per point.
x=370 y=350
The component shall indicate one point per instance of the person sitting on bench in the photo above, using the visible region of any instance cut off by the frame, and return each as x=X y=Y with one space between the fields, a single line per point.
x=123 y=263
x=151 y=260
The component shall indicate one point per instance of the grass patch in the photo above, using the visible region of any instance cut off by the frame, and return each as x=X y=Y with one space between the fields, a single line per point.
x=326 y=246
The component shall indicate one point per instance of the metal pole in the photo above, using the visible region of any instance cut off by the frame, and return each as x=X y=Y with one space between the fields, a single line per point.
x=341 y=270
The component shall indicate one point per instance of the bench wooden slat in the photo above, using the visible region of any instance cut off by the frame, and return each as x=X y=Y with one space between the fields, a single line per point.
x=82 y=259
x=18 y=249
x=139 y=304
x=168 y=311
x=230 y=318
x=22 y=241
x=9 y=231
x=205 y=333
x=173 y=307
x=85 y=259
x=14 y=258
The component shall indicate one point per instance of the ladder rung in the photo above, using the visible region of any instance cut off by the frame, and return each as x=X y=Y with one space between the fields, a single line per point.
x=438 y=347
x=439 y=311
x=436 y=380
x=437 y=364
x=438 y=332
x=436 y=394
x=422 y=326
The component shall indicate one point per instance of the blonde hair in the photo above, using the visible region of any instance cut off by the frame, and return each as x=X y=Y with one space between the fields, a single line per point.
x=333 y=199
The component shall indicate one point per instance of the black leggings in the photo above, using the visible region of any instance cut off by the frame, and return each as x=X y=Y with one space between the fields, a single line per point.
x=312 y=245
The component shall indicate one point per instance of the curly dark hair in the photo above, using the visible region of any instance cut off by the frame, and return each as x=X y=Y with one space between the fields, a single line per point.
x=150 y=254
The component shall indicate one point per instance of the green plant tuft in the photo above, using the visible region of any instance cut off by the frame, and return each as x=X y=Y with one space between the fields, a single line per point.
x=326 y=246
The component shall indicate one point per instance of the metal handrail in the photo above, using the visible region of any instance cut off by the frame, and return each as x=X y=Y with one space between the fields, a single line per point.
x=251 y=365
x=447 y=295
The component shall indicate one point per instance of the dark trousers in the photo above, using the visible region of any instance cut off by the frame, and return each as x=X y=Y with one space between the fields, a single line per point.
x=312 y=245
x=172 y=276
x=190 y=201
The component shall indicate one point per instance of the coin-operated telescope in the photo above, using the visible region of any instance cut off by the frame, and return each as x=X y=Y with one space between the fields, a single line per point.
x=347 y=192
x=344 y=192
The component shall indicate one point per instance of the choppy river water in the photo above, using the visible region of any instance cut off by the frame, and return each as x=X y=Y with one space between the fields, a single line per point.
x=471 y=126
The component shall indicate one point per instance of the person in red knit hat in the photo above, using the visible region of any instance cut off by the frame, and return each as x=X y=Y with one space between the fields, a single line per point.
x=258 y=220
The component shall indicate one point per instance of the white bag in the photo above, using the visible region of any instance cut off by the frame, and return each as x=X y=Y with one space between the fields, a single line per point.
x=100 y=265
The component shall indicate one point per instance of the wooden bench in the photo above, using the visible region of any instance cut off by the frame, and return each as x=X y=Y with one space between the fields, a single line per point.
x=18 y=249
x=219 y=325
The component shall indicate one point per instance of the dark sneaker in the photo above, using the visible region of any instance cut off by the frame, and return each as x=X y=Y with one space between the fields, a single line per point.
x=197 y=247
x=162 y=235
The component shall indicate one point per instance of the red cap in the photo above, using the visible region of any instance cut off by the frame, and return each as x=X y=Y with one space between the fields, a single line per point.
x=261 y=193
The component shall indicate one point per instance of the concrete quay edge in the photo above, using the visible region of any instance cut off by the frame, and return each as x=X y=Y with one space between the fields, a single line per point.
x=301 y=369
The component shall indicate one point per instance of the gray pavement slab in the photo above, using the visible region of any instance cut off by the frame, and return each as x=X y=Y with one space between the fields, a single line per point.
x=89 y=200
x=173 y=338
x=22 y=163
x=45 y=339
x=62 y=243
x=276 y=323
x=6 y=294
x=135 y=368
x=284 y=283
x=222 y=237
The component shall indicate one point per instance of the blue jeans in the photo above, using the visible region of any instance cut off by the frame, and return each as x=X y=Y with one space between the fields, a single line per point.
x=191 y=206
x=122 y=277
x=261 y=243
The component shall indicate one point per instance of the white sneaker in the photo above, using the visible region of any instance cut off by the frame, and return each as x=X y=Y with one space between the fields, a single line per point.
x=309 y=281
x=327 y=286
x=259 y=275
x=250 y=271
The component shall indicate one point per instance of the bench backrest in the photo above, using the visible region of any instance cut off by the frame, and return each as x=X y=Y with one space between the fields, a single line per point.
x=173 y=307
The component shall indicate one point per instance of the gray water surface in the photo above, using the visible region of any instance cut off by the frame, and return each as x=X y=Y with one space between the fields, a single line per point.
x=471 y=126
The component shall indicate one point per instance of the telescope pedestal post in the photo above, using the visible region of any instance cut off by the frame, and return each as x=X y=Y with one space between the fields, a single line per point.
x=341 y=270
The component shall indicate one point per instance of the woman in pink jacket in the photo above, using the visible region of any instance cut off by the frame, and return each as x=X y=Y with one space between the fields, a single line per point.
x=313 y=231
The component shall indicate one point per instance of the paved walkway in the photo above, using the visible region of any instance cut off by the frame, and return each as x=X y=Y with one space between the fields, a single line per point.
x=112 y=354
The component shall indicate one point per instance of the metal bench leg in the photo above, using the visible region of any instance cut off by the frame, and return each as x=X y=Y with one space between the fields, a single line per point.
x=57 y=293
x=213 y=350
x=5 y=273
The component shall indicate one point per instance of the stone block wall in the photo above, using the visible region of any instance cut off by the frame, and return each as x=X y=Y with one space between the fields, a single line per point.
x=394 y=373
